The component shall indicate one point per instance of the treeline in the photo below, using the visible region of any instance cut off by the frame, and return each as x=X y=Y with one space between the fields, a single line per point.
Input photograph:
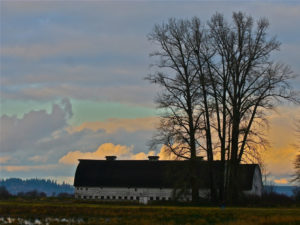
x=35 y=187
x=5 y=194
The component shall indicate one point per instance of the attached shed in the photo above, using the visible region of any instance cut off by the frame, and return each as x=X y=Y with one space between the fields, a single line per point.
x=150 y=180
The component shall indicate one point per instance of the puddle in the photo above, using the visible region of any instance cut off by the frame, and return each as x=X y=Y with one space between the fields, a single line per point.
x=45 y=221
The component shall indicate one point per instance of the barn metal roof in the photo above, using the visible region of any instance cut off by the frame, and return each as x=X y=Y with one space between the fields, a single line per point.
x=150 y=174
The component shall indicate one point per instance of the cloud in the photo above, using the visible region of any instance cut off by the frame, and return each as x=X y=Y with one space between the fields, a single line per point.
x=4 y=159
x=19 y=134
x=164 y=154
x=121 y=151
x=142 y=155
x=50 y=148
x=142 y=95
x=280 y=156
x=75 y=73
x=280 y=181
x=114 y=124
x=81 y=44
x=26 y=168
x=94 y=54
x=38 y=158
x=67 y=106
x=100 y=153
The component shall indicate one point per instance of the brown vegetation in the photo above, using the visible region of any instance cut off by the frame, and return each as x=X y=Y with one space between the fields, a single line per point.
x=95 y=213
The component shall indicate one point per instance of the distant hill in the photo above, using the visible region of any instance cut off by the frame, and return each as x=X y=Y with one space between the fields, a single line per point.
x=286 y=190
x=49 y=187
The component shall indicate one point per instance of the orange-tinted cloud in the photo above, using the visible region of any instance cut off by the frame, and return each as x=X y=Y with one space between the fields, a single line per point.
x=121 y=151
x=280 y=156
x=164 y=154
x=38 y=158
x=113 y=125
x=26 y=168
x=281 y=181
x=142 y=155
x=4 y=159
x=100 y=153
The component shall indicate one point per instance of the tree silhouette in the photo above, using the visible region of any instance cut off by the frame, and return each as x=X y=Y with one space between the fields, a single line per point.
x=217 y=83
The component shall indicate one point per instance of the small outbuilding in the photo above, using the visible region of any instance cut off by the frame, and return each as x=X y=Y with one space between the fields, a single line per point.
x=151 y=180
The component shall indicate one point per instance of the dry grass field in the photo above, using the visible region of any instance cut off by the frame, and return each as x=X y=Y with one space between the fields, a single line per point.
x=74 y=212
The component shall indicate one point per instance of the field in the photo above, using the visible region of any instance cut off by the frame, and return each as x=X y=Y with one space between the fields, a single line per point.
x=75 y=212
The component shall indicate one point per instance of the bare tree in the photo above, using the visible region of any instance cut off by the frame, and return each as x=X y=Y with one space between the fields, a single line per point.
x=218 y=82
x=180 y=93
x=254 y=83
x=297 y=169
x=296 y=178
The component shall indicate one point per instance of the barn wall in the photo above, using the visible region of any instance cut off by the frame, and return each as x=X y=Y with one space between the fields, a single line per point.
x=257 y=185
x=107 y=193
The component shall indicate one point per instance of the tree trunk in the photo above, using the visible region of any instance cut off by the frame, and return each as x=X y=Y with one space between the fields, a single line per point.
x=233 y=191
x=194 y=180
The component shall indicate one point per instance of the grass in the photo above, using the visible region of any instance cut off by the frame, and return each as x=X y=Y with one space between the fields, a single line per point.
x=114 y=214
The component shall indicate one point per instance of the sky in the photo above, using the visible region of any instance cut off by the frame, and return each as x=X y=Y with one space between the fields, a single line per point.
x=72 y=81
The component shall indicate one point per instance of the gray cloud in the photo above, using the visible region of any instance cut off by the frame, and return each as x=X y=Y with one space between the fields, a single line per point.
x=44 y=135
x=21 y=134
x=37 y=154
x=131 y=94
x=59 y=46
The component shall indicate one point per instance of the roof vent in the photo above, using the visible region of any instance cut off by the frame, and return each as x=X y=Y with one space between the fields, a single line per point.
x=110 y=157
x=153 y=158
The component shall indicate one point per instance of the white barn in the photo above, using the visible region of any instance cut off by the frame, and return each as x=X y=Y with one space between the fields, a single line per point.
x=150 y=180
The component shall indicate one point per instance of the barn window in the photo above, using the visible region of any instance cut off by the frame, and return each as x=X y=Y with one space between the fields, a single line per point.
x=102 y=197
x=157 y=198
x=151 y=198
x=135 y=189
x=113 y=197
x=137 y=198
x=84 y=197
x=125 y=197
x=131 y=198
x=108 y=197
x=163 y=198
x=120 y=197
